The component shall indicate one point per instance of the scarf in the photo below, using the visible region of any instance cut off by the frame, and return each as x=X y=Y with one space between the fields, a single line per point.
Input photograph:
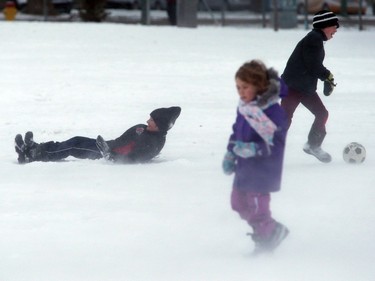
x=258 y=120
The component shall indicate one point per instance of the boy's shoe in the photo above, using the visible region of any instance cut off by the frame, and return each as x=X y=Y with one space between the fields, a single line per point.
x=269 y=245
x=19 y=146
x=318 y=152
x=28 y=150
x=36 y=153
x=33 y=150
x=103 y=148
x=29 y=140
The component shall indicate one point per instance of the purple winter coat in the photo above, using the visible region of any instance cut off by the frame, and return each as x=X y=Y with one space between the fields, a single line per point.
x=261 y=173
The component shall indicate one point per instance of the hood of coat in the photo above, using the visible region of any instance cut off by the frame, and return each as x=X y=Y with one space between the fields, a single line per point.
x=272 y=95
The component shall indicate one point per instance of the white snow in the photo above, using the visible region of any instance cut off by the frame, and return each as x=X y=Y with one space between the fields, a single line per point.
x=171 y=219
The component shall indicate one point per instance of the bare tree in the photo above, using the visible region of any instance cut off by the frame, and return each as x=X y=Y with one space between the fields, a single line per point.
x=39 y=7
x=93 y=10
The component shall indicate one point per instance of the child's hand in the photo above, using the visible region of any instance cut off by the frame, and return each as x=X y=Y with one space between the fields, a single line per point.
x=229 y=163
x=245 y=149
x=329 y=85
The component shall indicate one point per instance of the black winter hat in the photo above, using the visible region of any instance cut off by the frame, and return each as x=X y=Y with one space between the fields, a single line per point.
x=165 y=117
x=324 y=18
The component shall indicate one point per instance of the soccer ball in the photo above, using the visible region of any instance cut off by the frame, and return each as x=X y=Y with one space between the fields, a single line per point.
x=354 y=153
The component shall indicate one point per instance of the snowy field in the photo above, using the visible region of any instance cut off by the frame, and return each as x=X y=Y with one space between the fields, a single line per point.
x=171 y=220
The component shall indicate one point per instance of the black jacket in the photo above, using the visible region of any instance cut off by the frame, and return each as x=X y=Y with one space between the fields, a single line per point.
x=137 y=145
x=305 y=65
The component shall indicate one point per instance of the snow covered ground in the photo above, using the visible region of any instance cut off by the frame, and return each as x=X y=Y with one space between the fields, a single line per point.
x=171 y=219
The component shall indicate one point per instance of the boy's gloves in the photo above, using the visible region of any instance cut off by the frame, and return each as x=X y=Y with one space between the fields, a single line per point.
x=329 y=85
x=229 y=163
x=245 y=149
x=104 y=148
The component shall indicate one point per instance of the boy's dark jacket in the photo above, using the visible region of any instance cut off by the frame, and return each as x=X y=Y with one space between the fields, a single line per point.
x=137 y=145
x=305 y=65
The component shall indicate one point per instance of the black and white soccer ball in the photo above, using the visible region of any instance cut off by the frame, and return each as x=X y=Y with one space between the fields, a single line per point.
x=354 y=153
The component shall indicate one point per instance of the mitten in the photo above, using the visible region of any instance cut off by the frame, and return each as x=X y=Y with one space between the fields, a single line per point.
x=104 y=148
x=329 y=85
x=245 y=149
x=229 y=163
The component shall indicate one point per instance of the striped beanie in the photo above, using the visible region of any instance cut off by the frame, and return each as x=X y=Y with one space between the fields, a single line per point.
x=324 y=18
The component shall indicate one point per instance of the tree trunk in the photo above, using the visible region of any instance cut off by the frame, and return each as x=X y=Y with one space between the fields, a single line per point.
x=93 y=10
x=36 y=7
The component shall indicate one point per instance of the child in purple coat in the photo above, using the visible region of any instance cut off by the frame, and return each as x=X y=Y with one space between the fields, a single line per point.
x=255 y=152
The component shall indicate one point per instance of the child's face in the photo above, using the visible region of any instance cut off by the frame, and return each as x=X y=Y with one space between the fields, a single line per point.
x=246 y=91
x=330 y=31
x=151 y=125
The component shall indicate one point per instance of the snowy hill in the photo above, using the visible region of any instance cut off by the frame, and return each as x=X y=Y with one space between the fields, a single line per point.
x=171 y=219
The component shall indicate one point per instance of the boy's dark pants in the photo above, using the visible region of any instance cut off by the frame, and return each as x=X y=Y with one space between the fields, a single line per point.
x=315 y=105
x=79 y=147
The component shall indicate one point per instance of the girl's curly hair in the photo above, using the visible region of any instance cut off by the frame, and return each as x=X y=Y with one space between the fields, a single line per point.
x=255 y=73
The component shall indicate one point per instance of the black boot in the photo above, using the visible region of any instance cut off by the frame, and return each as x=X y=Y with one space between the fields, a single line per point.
x=33 y=150
x=29 y=139
x=19 y=146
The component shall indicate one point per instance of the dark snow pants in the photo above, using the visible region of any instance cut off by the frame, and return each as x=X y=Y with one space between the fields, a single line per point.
x=78 y=147
x=315 y=105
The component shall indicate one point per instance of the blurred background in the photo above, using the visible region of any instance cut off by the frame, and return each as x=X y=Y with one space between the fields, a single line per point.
x=188 y=13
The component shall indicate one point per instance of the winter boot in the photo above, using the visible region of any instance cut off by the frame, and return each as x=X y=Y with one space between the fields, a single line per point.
x=19 y=145
x=103 y=148
x=318 y=152
x=33 y=150
x=271 y=243
x=29 y=140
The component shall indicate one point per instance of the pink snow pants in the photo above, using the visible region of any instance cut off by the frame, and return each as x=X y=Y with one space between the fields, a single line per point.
x=255 y=209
